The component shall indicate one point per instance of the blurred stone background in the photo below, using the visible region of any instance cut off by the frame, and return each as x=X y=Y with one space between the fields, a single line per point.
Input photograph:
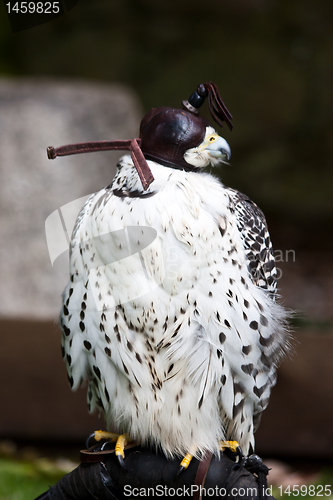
x=36 y=113
x=92 y=74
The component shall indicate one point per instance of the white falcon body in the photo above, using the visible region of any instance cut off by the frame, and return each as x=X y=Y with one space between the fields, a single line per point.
x=179 y=334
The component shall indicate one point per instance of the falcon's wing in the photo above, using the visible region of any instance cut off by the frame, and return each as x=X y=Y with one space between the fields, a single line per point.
x=252 y=225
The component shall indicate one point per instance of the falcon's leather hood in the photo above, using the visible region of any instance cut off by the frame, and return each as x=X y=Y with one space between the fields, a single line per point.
x=167 y=133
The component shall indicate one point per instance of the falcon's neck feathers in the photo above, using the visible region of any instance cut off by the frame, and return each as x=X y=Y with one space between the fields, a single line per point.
x=127 y=182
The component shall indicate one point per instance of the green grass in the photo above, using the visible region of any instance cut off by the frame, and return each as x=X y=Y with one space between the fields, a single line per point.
x=24 y=480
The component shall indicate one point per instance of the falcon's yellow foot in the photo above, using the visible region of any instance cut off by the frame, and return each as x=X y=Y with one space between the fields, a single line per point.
x=120 y=448
x=185 y=463
x=233 y=446
x=99 y=435
x=110 y=436
x=121 y=441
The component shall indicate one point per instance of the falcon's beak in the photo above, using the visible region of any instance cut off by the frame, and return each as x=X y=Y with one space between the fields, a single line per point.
x=219 y=149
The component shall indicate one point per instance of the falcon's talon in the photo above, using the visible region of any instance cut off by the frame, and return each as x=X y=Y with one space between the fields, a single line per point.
x=233 y=446
x=92 y=435
x=121 y=462
x=180 y=470
x=185 y=463
x=120 y=447
x=99 y=435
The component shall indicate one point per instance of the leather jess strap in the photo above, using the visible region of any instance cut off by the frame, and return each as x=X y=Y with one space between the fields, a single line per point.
x=94 y=455
x=138 y=158
x=201 y=474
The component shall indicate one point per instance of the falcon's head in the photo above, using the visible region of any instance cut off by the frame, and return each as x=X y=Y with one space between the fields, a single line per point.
x=180 y=139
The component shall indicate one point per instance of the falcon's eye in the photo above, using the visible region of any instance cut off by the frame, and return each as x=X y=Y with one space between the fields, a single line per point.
x=212 y=138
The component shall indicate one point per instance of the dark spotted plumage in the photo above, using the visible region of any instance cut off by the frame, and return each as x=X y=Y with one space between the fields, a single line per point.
x=252 y=225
